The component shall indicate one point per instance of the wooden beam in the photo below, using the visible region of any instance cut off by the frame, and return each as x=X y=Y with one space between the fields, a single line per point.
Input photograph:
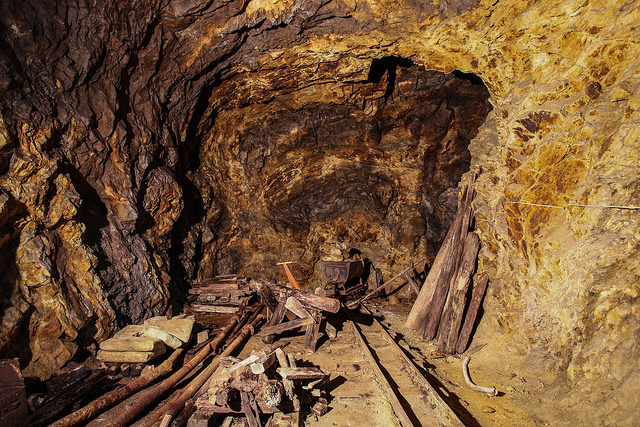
x=456 y=301
x=470 y=319
x=286 y=326
x=307 y=299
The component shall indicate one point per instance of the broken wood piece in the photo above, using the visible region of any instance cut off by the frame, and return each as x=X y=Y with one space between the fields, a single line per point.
x=205 y=308
x=411 y=282
x=313 y=331
x=244 y=363
x=282 y=358
x=491 y=391
x=320 y=407
x=292 y=360
x=169 y=339
x=250 y=409
x=296 y=308
x=286 y=326
x=472 y=312
x=307 y=299
x=456 y=301
x=263 y=364
x=276 y=318
x=305 y=373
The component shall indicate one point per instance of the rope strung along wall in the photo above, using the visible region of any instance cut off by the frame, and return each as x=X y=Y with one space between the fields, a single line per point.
x=574 y=205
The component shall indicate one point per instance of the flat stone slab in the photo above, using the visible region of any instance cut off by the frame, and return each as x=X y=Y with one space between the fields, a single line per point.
x=179 y=326
x=168 y=339
x=132 y=338
x=129 y=356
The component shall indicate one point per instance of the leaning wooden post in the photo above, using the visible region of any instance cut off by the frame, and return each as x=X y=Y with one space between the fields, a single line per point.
x=472 y=312
x=454 y=307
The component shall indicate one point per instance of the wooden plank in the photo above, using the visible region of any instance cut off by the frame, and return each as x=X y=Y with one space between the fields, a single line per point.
x=412 y=283
x=296 y=307
x=313 y=332
x=470 y=319
x=282 y=358
x=217 y=285
x=286 y=326
x=306 y=373
x=276 y=318
x=456 y=301
x=206 y=308
x=450 y=267
x=427 y=310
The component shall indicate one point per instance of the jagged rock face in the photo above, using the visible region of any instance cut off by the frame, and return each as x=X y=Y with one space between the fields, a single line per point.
x=144 y=145
x=373 y=164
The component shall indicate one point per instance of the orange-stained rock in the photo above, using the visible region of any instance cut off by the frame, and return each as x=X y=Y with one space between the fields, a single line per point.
x=145 y=145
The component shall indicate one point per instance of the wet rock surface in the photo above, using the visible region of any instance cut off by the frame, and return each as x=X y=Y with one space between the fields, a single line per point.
x=145 y=145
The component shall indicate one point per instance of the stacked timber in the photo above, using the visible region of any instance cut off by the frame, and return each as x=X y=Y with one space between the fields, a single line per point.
x=218 y=295
x=439 y=309
x=265 y=383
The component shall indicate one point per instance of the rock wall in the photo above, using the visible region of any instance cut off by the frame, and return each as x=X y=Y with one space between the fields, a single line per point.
x=120 y=122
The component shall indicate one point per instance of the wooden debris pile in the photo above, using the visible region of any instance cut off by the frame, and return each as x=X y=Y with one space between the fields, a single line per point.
x=303 y=308
x=439 y=309
x=218 y=295
x=255 y=388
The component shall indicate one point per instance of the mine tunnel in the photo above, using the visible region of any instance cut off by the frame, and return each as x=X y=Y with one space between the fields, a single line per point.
x=299 y=212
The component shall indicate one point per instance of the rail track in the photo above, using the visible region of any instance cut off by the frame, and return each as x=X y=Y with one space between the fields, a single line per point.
x=414 y=400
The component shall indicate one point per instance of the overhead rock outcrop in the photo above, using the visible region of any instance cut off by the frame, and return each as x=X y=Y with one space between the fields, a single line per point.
x=145 y=145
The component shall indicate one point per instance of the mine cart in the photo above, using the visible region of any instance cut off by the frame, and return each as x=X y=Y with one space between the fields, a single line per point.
x=344 y=278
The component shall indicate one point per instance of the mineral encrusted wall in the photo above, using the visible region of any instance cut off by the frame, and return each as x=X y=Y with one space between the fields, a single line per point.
x=108 y=116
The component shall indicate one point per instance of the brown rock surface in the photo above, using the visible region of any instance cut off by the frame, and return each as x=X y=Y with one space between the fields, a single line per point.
x=145 y=145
